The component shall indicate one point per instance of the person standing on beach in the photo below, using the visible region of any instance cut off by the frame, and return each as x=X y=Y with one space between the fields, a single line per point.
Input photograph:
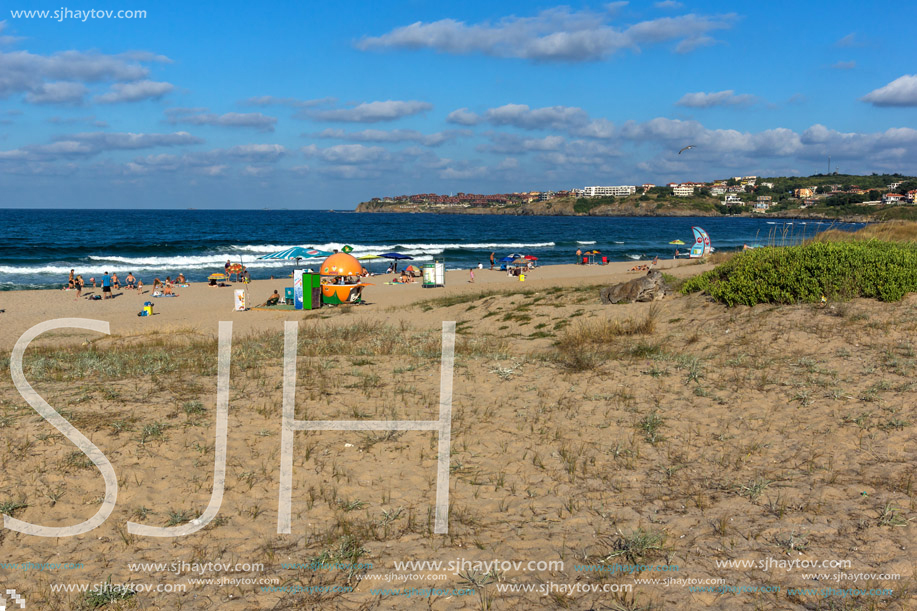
x=226 y=267
x=78 y=285
x=579 y=256
x=492 y=258
x=106 y=286
x=472 y=275
x=70 y=283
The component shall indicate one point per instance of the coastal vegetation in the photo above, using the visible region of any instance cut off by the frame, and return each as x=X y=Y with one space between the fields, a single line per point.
x=878 y=262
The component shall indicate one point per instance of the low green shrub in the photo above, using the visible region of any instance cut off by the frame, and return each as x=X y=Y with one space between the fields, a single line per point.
x=793 y=274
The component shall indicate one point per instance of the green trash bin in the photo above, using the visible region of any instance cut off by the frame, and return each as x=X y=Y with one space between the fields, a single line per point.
x=311 y=291
x=429 y=275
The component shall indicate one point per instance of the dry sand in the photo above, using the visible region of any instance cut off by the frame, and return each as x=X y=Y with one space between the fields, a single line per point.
x=199 y=307
x=675 y=434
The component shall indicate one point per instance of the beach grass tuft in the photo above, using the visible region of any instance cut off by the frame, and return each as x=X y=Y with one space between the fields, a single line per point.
x=587 y=344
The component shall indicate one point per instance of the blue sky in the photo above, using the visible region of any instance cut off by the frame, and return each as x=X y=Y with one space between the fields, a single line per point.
x=323 y=105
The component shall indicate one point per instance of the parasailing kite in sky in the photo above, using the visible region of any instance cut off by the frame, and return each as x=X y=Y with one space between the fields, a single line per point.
x=690 y=146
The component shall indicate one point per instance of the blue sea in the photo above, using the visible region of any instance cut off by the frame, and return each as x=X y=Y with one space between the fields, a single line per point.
x=39 y=247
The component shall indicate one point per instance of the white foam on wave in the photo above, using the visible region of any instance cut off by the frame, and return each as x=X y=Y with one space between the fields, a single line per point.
x=634 y=257
x=404 y=248
x=585 y=241
x=165 y=266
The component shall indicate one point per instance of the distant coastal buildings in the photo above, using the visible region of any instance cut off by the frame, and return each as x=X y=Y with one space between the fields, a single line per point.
x=737 y=191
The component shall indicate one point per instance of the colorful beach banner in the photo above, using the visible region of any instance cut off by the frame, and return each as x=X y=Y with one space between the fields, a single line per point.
x=297 y=288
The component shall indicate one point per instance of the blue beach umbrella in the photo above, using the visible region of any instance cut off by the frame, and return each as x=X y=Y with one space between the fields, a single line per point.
x=297 y=252
x=395 y=255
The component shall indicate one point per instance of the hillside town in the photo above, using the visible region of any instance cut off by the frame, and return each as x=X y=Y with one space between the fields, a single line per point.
x=739 y=192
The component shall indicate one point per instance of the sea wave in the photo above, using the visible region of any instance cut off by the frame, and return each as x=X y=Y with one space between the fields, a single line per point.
x=589 y=242
x=164 y=265
x=402 y=247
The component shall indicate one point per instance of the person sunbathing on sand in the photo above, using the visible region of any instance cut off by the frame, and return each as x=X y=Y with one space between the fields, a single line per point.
x=273 y=299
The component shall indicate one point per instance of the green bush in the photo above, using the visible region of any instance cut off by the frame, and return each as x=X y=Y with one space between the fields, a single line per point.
x=584 y=205
x=793 y=274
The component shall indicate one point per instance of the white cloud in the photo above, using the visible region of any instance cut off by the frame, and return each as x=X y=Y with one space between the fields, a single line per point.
x=59 y=92
x=850 y=40
x=134 y=92
x=6 y=39
x=844 y=65
x=62 y=78
x=200 y=116
x=557 y=34
x=395 y=135
x=90 y=119
x=900 y=92
x=348 y=153
x=570 y=119
x=269 y=100
x=92 y=143
x=718 y=98
x=463 y=116
x=668 y=4
x=373 y=112
x=254 y=153
x=23 y=72
x=213 y=162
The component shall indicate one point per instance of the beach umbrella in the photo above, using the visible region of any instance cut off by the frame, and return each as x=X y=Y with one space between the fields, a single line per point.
x=218 y=276
x=679 y=242
x=369 y=257
x=508 y=259
x=318 y=253
x=531 y=257
x=396 y=255
x=297 y=252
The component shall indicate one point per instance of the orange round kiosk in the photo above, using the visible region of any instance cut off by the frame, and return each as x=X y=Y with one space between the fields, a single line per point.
x=341 y=265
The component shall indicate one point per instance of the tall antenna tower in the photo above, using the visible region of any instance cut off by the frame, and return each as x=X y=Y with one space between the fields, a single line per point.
x=829 y=164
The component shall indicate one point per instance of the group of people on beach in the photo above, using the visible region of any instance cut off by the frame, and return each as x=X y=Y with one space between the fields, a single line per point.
x=109 y=282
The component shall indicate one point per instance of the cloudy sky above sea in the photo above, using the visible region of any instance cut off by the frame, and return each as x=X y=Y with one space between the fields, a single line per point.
x=323 y=105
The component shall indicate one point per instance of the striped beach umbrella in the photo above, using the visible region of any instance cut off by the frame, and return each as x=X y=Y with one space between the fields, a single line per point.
x=297 y=252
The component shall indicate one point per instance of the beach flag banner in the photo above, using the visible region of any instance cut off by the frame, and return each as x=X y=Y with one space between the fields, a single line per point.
x=701 y=245
x=347 y=249
x=297 y=288
x=240 y=300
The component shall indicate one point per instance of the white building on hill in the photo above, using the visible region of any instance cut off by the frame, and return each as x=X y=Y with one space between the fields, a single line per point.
x=618 y=191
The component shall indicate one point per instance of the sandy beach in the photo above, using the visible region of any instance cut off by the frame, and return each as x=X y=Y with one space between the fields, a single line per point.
x=199 y=307
x=609 y=445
